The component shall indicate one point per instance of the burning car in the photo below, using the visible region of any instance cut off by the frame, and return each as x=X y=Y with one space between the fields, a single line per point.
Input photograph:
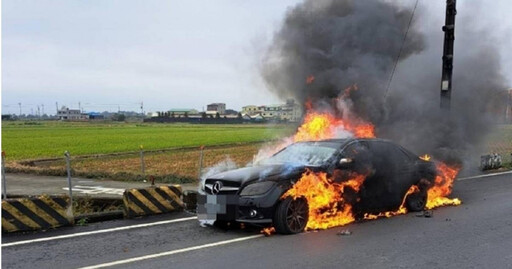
x=384 y=173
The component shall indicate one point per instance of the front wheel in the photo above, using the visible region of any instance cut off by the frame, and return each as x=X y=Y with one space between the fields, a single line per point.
x=417 y=201
x=291 y=216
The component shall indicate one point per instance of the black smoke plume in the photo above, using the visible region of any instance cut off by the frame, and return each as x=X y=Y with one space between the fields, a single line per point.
x=345 y=42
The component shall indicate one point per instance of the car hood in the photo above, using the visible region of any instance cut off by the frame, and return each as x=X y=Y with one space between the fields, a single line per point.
x=263 y=172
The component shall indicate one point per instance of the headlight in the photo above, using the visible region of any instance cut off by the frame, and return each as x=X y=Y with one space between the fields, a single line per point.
x=201 y=184
x=257 y=188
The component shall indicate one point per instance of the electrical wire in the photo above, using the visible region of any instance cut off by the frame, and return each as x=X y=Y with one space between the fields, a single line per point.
x=400 y=52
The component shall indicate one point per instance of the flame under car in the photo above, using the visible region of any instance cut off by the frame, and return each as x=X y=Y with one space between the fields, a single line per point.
x=254 y=194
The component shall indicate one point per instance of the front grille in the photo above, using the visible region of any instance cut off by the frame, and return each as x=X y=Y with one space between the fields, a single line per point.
x=226 y=187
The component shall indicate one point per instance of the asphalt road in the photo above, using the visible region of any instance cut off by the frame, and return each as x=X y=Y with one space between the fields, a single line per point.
x=27 y=184
x=477 y=234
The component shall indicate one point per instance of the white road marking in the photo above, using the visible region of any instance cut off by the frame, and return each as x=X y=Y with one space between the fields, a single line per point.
x=486 y=175
x=172 y=252
x=95 y=190
x=97 y=232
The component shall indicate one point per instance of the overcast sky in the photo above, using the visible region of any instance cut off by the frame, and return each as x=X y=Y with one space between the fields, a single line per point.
x=168 y=54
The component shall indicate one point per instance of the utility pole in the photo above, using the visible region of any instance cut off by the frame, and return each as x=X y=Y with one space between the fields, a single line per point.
x=57 y=108
x=38 y=112
x=449 y=38
x=42 y=105
x=19 y=104
x=79 y=107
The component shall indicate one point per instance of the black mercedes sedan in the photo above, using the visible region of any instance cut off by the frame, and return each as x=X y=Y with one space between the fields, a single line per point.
x=252 y=194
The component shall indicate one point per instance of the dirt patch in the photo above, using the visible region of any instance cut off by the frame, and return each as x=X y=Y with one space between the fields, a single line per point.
x=170 y=166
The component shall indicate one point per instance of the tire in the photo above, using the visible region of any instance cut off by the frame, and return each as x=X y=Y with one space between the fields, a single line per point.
x=291 y=216
x=416 y=202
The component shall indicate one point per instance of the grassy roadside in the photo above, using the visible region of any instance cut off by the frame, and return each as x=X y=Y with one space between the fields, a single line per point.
x=175 y=166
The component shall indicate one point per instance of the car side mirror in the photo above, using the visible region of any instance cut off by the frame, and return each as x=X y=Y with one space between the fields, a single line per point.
x=345 y=162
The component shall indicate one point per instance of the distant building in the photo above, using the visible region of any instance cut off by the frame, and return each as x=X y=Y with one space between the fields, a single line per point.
x=95 y=116
x=290 y=111
x=252 y=110
x=216 y=108
x=71 y=114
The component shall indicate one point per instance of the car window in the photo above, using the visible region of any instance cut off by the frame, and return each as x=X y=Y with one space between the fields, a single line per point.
x=311 y=154
x=393 y=153
x=360 y=153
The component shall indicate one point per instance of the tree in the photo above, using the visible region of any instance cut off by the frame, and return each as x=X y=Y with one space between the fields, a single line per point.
x=119 y=117
x=217 y=115
x=186 y=115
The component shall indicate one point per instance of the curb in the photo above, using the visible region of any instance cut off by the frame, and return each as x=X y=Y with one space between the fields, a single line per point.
x=35 y=213
x=100 y=216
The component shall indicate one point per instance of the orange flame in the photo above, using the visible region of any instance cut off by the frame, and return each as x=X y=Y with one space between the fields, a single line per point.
x=327 y=207
x=319 y=126
x=425 y=157
x=443 y=184
x=268 y=231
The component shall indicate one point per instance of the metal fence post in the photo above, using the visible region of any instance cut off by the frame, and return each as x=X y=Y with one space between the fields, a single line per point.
x=200 y=162
x=142 y=165
x=4 y=187
x=68 y=168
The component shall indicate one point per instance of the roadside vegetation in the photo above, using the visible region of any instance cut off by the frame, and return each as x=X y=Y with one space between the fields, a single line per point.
x=172 y=151
x=111 y=150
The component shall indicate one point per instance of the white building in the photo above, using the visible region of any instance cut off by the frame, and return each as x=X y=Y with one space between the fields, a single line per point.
x=71 y=114
x=290 y=111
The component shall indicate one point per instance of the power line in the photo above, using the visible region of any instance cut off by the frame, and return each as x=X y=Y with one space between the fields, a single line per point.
x=400 y=52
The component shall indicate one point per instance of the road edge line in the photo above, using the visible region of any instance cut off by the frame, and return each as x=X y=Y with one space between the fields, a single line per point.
x=486 y=175
x=172 y=252
x=44 y=239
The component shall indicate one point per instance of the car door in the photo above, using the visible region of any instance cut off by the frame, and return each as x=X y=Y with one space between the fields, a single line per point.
x=359 y=155
x=393 y=173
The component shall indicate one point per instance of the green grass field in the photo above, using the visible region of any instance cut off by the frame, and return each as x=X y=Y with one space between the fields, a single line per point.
x=34 y=140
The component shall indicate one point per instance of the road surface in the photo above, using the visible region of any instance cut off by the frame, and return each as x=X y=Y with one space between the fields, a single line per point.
x=477 y=234
x=26 y=184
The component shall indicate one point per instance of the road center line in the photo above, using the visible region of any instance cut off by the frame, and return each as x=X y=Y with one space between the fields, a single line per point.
x=486 y=175
x=97 y=232
x=172 y=252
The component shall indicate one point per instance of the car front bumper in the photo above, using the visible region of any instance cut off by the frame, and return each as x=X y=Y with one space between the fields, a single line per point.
x=232 y=207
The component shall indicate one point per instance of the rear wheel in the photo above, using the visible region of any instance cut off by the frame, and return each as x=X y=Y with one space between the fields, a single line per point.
x=416 y=201
x=291 y=216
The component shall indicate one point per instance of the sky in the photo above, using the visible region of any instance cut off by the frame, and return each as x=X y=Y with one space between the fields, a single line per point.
x=112 y=54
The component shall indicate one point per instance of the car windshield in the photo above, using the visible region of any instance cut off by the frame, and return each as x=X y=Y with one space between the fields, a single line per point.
x=310 y=154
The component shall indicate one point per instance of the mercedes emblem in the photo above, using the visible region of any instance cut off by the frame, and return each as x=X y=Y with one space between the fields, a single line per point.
x=217 y=186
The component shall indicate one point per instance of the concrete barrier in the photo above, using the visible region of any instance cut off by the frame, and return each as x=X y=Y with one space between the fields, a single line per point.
x=35 y=213
x=152 y=200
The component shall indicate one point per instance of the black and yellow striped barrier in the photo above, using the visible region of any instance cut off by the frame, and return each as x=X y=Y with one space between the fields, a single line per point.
x=35 y=213
x=152 y=200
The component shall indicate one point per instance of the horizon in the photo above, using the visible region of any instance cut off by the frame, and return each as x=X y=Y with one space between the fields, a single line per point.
x=111 y=56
